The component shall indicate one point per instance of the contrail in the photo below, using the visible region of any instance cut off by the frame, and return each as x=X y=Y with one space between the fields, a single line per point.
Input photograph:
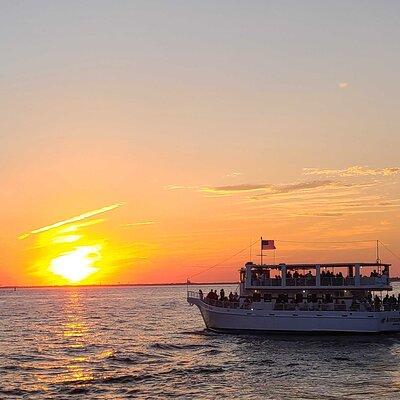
x=80 y=217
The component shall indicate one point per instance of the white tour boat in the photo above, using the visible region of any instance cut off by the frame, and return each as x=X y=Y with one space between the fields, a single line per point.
x=335 y=297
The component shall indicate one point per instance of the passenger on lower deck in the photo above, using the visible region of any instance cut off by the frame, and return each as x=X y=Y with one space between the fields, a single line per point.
x=377 y=302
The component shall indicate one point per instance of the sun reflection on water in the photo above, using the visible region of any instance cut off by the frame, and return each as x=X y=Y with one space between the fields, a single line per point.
x=76 y=335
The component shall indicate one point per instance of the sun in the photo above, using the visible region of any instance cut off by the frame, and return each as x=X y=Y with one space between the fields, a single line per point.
x=77 y=264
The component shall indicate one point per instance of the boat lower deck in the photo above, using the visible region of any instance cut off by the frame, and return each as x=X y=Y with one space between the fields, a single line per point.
x=239 y=319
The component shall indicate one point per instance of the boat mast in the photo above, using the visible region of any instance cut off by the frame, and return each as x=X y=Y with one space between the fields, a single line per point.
x=378 y=260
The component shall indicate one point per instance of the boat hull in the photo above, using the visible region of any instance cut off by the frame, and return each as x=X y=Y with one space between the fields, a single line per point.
x=242 y=320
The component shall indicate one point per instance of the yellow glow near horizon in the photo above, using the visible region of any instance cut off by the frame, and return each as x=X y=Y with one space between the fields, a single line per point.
x=77 y=264
x=67 y=239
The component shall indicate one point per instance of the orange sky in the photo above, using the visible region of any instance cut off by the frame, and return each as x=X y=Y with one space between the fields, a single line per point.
x=154 y=140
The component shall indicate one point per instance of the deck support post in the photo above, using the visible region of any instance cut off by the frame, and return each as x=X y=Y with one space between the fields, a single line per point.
x=357 y=280
x=248 y=281
x=318 y=275
x=283 y=272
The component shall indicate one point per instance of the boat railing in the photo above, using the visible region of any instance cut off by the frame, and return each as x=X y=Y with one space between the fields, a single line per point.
x=306 y=281
x=374 y=280
x=222 y=303
x=324 y=281
x=303 y=306
x=337 y=281
x=327 y=307
x=267 y=282
x=193 y=294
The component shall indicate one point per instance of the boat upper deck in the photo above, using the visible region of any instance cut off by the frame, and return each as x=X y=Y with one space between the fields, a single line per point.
x=365 y=276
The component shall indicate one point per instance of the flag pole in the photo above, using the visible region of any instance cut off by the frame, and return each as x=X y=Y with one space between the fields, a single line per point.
x=261 y=251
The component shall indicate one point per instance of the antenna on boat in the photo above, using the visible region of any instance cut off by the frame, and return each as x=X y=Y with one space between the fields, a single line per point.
x=378 y=260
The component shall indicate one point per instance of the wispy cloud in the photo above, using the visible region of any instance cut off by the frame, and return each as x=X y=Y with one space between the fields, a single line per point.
x=80 y=217
x=299 y=187
x=243 y=187
x=266 y=190
x=139 y=223
x=234 y=174
x=320 y=214
x=352 y=171
x=180 y=187
x=269 y=189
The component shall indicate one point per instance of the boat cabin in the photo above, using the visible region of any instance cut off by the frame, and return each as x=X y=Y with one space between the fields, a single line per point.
x=333 y=286
x=364 y=276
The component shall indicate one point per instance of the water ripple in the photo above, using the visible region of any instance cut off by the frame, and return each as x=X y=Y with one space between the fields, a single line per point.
x=108 y=343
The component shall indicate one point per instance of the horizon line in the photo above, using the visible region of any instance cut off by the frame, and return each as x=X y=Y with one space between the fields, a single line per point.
x=115 y=285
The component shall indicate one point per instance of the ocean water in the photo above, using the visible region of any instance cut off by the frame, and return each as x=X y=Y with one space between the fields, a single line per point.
x=148 y=343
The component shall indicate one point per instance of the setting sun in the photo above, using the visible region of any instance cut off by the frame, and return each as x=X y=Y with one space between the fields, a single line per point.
x=77 y=264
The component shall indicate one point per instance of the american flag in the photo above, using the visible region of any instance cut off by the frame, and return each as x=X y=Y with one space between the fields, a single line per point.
x=267 y=244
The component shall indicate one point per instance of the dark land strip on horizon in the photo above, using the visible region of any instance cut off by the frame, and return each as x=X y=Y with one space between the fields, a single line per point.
x=116 y=285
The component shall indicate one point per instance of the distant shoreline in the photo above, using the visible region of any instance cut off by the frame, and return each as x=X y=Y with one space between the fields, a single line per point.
x=11 y=287
x=117 y=285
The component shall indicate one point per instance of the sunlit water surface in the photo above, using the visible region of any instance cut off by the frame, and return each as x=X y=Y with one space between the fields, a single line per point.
x=147 y=342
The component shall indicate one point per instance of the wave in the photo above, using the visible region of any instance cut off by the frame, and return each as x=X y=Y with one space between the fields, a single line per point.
x=124 y=379
x=168 y=346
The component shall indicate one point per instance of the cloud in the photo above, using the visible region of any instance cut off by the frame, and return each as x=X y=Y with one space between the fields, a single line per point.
x=80 y=217
x=244 y=187
x=139 y=223
x=352 y=171
x=234 y=174
x=269 y=189
x=320 y=214
x=180 y=187
x=296 y=187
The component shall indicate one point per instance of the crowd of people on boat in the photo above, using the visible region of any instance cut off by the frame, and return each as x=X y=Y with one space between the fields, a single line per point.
x=368 y=303
x=296 y=275
x=329 y=274
x=213 y=295
x=388 y=302
x=260 y=278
